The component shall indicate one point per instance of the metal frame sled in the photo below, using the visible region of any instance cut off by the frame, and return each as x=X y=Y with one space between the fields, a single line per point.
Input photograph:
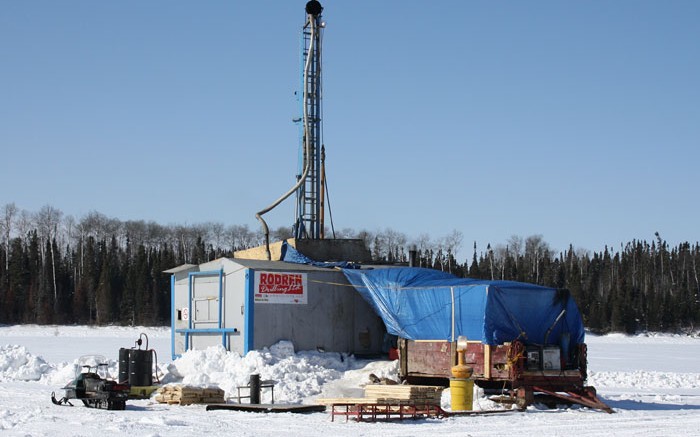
x=586 y=396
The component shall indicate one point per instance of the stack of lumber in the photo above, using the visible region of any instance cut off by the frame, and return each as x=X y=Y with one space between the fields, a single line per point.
x=392 y=394
x=186 y=395
x=411 y=394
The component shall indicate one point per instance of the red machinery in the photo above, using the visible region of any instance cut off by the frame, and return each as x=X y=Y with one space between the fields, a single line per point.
x=519 y=372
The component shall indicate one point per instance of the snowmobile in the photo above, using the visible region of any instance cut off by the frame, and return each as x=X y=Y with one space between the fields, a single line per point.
x=92 y=386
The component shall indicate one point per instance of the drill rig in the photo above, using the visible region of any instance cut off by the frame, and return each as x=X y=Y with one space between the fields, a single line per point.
x=310 y=178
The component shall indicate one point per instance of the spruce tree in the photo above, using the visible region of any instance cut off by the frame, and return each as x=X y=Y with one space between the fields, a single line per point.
x=18 y=276
x=103 y=295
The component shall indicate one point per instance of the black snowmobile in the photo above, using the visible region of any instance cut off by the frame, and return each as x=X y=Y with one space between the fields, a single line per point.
x=92 y=386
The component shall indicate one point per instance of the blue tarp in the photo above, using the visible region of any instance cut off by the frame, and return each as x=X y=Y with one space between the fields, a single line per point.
x=423 y=304
x=291 y=255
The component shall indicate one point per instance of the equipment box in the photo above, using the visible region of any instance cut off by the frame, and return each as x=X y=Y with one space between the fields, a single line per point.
x=551 y=358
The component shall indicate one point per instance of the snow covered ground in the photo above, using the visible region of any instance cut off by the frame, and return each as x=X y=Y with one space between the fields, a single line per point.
x=652 y=382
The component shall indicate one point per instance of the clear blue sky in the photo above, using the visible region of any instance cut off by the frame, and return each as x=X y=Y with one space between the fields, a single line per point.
x=577 y=120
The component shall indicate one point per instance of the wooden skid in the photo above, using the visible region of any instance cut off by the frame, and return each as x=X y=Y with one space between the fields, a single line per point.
x=186 y=395
x=415 y=393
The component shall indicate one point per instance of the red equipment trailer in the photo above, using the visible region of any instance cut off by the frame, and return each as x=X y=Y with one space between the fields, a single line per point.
x=515 y=370
x=524 y=339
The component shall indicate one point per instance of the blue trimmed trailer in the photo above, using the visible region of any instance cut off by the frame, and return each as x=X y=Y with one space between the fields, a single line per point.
x=245 y=304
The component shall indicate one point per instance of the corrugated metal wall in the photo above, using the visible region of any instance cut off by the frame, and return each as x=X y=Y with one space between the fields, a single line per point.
x=336 y=318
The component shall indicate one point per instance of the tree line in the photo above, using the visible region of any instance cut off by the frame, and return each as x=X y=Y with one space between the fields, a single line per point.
x=57 y=269
x=639 y=287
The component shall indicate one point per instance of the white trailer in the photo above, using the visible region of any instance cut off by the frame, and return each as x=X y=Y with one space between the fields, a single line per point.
x=247 y=304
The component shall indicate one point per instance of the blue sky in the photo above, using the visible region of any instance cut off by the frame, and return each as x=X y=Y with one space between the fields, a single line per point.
x=579 y=121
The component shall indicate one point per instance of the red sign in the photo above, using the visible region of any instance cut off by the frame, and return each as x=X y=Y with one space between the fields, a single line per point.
x=280 y=287
x=281 y=283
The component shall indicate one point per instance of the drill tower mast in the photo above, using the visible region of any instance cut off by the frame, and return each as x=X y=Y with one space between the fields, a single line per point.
x=308 y=223
x=309 y=218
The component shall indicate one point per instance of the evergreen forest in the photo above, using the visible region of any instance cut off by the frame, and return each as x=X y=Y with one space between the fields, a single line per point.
x=96 y=270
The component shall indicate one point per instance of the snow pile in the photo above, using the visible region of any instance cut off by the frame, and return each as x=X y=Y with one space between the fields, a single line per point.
x=297 y=376
x=351 y=384
x=17 y=364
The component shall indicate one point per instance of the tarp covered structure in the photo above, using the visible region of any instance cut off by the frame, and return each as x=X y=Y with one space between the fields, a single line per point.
x=423 y=304
x=291 y=255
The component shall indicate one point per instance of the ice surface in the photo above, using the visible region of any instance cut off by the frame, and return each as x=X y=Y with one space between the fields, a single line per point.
x=652 y=381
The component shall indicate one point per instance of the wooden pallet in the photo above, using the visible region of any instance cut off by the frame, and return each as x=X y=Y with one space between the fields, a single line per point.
x=415 y=393
x=178 y=394
x=331 y=401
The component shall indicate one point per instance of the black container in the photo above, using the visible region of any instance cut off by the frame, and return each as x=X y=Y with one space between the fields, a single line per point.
x=254 y=388
x=140 y=367
x=123 y=365
x=534 y=358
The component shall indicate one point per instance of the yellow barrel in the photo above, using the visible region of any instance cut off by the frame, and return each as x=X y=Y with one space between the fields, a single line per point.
x=461 y=393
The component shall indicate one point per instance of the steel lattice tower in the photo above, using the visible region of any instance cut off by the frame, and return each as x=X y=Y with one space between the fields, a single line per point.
x=308 y=222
